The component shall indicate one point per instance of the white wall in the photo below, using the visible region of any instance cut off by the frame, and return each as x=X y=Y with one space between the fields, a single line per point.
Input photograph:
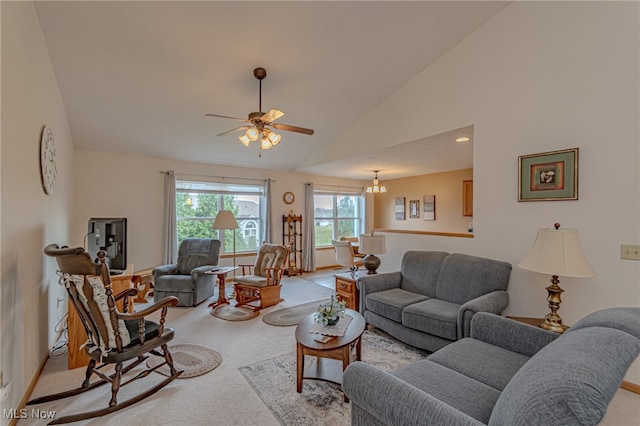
x=115 y=185
x=540 y=76
x=30 y=219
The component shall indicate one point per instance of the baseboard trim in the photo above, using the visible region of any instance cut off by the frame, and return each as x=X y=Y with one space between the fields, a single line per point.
x=631 y=387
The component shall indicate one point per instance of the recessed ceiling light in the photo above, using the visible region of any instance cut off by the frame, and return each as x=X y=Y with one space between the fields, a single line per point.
x=463 y=139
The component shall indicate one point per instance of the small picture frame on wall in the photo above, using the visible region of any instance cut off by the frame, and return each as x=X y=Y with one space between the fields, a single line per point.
x=429 y=207
x=414 y=209
x=400 y=212
x=548 y=176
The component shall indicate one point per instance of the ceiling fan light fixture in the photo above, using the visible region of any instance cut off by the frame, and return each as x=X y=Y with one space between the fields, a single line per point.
x=274 y=138
x=245 y=140
x=252 y=134
x=265 y=143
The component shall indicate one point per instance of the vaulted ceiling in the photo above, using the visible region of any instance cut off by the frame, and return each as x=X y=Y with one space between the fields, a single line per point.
x=138 y=77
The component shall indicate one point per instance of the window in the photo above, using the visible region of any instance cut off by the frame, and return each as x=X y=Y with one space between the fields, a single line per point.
x=198 y=203
x=337 y=215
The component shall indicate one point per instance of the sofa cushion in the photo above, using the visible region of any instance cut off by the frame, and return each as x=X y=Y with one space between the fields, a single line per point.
x=463 y=393
x=390 y=303
x=433 y=316
x=481 y=361
x=463 y=277
x=569 y=381
x=420 y=271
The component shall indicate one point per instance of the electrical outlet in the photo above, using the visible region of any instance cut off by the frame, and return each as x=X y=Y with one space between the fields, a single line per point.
x=629 y=251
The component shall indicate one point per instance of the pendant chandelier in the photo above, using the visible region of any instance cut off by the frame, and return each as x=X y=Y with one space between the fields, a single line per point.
x=377 y=186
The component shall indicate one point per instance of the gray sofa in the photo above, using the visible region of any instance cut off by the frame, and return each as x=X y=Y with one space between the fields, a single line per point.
x=429 y=303
x=506 y=373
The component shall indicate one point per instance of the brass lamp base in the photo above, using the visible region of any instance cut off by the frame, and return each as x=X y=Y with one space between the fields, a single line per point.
x=371 y=262
x=552 y=320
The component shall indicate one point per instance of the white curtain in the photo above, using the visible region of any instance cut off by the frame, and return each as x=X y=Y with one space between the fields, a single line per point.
x=308 y=232
x=267 y=229
x=171 y=239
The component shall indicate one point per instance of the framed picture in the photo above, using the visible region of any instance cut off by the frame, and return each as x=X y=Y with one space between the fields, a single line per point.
x=548 y=176
x=429 y=207
x=414 y=209
x=400 y=214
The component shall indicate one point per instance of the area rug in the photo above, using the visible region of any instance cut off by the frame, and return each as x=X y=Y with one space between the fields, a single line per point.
x=193 y=360
x=291 y=316
x=232 y=313
x=320 y=403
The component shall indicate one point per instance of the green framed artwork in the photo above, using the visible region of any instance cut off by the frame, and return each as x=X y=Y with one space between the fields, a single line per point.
x=548 y=176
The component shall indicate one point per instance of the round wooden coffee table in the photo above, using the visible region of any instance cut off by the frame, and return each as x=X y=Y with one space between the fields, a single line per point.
x=328 y=355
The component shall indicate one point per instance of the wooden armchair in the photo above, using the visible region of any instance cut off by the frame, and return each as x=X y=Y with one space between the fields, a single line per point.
x=113 y=337
x=259 y=285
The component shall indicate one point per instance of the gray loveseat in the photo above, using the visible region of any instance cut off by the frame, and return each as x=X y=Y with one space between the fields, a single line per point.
x=506 y=373
x=429 y=303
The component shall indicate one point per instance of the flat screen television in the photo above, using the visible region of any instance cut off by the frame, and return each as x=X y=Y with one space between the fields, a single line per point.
x=110 y=235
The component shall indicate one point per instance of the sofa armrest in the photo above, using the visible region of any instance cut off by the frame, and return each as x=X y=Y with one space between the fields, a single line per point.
x=170 y=269
x=494 y=303
x=395 y=402
x=509 y=334
x=200 y=270
x=374 y=283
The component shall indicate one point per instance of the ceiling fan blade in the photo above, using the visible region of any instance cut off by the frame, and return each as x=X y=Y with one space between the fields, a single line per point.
x=237 y=129
x=271 y=115
x=292 y=128
x=226 y=116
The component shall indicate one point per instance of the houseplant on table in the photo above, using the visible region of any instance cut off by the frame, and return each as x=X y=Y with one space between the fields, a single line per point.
x=329 y=313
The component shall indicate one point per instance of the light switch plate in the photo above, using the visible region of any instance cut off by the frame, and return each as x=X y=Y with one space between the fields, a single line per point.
x=629 y=251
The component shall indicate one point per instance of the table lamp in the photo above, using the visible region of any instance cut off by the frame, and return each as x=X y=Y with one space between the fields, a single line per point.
x=371 y=245
x=225 y=220
x=556 y=252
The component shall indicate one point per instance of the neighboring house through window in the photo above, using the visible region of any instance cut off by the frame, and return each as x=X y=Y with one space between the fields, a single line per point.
x=198 y=203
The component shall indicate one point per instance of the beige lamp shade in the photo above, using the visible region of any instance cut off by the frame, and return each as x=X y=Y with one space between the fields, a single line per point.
x=557 y=252
x=372 y=244
x=225 y=220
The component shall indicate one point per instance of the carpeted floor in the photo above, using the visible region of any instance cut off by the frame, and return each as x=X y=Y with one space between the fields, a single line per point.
x=222 y=396
x=320 y=403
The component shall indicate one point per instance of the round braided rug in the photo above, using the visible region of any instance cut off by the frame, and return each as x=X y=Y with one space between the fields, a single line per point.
x=233 y=313
x=193 y=360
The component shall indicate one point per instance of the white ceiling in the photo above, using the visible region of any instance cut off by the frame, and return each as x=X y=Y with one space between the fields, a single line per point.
x=138 y=77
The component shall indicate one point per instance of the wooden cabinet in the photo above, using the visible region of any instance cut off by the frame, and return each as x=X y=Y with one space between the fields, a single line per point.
x=292 y=236
x=467 y=198
x=347 y=291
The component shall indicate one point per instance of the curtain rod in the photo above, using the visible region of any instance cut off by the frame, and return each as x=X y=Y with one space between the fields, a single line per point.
x=164 y=172
x=340 y=186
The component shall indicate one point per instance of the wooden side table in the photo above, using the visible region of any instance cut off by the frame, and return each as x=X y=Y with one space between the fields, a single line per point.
x=347 y=291
x=143 y=281
x=528 y=320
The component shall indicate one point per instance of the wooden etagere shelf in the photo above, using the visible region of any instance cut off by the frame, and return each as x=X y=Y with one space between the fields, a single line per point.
x=292 y=236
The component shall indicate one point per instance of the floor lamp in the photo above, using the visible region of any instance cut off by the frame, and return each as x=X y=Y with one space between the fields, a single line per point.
x=225 y=220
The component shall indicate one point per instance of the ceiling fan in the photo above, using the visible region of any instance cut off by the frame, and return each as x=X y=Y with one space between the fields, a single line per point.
x=261 y=122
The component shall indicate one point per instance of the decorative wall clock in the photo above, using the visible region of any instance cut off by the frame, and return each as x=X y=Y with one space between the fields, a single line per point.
x=288 y=197
x=48 y=167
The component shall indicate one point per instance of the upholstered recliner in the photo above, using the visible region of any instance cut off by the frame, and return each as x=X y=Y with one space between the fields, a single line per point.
x=186 y=279
x=260 y=283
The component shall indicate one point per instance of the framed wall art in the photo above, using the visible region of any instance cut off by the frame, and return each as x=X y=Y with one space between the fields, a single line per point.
x=429 y=207
x=400 y=213
x=414 y=209
x=548 y=176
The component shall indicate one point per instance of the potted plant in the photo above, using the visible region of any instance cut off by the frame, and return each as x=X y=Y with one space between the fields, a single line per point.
x=329 y=313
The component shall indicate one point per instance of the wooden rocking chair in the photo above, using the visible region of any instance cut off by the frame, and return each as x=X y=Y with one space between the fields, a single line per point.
x=261 y=282
x=113 y=337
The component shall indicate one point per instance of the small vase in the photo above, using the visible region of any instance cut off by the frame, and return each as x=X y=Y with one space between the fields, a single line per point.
x=333 y=320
